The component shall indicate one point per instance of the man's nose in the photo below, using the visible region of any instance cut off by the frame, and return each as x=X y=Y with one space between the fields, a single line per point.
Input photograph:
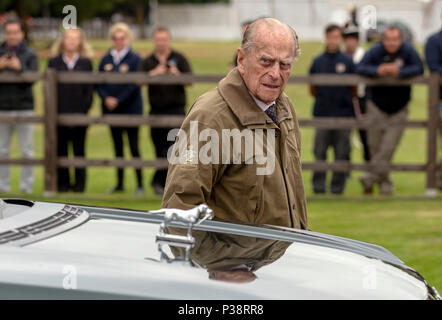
x=274 y=71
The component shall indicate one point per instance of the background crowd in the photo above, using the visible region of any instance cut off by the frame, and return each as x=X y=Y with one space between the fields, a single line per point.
x=392 y=57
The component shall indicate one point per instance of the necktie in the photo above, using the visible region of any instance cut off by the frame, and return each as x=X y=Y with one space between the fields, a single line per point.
x=271 y=112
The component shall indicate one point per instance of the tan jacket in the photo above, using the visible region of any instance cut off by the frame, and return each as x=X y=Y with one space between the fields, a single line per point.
x=234 y=191
x=219 y=251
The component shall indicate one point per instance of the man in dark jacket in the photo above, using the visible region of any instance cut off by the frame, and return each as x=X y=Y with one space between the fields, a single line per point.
x=332 y=101
x=433 y=54
x=164 y=99
x=16 y=99
x=390 y=57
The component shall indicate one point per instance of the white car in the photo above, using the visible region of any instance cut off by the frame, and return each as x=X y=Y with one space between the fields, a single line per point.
x=60 y=251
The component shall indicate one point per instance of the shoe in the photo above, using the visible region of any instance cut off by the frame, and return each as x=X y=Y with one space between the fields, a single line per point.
x=368 y=188
x=63 y=189
x=115 y=189
x=139 y=191
x=158 y=189
x=319 y=191
x=386 y=189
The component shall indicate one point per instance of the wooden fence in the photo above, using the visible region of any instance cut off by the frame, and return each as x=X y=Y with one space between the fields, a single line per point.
x=51 y=119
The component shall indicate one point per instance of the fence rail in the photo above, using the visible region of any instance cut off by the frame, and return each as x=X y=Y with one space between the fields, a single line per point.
x=51 y=119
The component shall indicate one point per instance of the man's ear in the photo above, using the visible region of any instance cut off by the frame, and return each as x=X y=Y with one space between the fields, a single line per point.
x=240 y=59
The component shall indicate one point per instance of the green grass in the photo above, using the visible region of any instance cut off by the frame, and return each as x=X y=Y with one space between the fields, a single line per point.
x=409 y=225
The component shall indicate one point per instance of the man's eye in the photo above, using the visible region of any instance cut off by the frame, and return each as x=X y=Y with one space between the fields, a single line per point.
x=265 y=60
x=285 y=66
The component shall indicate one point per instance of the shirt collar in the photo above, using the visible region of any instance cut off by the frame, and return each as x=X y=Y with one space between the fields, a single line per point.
x=262 y=105
x=119 y=56
x=71 y=64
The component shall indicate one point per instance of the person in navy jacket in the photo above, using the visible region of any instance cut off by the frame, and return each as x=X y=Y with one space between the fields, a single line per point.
x=395 y=58
x=71 y=54
x=122 y=98
x=433 y=54
x=332 y=101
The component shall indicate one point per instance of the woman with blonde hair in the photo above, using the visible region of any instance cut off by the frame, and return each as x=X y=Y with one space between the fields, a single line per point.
x=122 y=98
x=71 y=53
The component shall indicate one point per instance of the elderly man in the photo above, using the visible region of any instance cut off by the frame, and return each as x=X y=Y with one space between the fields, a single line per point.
x=249 y=101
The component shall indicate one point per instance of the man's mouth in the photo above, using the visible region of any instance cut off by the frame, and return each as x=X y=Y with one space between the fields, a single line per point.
x=271 y=86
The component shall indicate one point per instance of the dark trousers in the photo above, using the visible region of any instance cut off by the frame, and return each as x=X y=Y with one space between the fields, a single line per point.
x=74 y=136
x=117 y=137
x=340 y=141
x=159 y=139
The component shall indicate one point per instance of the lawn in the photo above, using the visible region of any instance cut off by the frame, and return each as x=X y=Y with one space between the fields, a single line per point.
x=409 y=225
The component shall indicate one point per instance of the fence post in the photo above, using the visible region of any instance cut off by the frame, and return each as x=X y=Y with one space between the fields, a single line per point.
x=50 y=129
x=433 y=121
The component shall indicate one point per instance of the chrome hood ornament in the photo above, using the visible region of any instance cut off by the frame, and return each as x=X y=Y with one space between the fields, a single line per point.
x=190 y=218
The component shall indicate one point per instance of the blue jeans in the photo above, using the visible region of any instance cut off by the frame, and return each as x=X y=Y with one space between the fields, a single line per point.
x=25 y=134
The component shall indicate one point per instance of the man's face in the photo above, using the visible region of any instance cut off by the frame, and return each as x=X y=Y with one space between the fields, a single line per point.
x=392 y=40
x=351 y=44
x=13 y=34
x=161 y=41
x=267 y=65
x=333 y=40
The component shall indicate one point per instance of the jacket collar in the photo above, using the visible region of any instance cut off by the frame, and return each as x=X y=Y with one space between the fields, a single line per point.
x=234 y=91
x=20 y=47
x=118 y=57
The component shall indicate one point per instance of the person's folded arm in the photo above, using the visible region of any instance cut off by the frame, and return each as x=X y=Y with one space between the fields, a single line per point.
x=367 y=66
x=413 y=68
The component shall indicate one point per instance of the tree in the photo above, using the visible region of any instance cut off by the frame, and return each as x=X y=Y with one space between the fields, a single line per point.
x=88 y=9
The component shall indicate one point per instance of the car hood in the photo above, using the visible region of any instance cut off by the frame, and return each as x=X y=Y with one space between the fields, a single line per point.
x=108 y=256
